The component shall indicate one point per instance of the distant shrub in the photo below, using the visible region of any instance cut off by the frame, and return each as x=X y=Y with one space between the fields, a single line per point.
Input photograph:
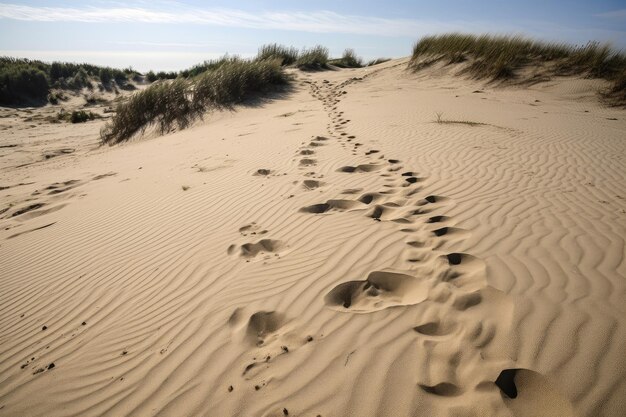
x=106 y=76
x=80 y=79
x=313 y=58
x=54 y=97
x=94 y=98
x=162 y=75
x=151 y=76
x=348 y=60
x=81 y=116
x=286 y=55
x=166 y=104
x=60 y=75
x=22 y=82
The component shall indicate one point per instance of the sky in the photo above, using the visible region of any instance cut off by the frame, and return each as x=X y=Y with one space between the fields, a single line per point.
x=173 y=35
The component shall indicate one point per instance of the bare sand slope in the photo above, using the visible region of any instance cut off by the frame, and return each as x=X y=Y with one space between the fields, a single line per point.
x=335 y=253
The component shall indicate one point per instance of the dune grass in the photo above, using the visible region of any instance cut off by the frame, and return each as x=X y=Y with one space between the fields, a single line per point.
x=313 y=58
x=377 y=61
x=177 y=103
x=502 y=57
x=349 y=59
x=286 y=55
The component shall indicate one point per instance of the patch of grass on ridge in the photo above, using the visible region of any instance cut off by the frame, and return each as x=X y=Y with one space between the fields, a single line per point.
x=377 y=61
x=286 y=55
x=349 y=59
x=177 y=103
x=501 y=57
x=313 y=58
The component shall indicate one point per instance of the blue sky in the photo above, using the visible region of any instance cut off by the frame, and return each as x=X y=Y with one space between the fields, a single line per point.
x=171 y=35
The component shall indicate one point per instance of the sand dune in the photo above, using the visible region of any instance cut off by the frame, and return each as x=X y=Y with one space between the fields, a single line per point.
x=334 y=253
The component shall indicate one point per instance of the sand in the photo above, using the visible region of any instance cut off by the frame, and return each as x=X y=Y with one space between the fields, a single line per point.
x=332 y=252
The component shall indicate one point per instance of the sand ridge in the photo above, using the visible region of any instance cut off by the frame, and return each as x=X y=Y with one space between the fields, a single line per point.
x=336 y=253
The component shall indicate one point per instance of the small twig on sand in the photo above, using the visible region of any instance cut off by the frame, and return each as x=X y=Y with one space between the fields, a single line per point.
x=348 y=357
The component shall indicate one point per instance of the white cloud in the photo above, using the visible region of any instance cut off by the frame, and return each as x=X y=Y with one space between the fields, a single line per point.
x=615 y=14
x=317 y=21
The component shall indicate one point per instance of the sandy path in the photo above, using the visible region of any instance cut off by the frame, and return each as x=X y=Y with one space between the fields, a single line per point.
x=336 y=253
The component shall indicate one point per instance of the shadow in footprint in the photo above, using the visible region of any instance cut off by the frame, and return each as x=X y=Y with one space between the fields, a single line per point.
x=338 y=205
x=311 y=184
x=360 y=168
x=263 y=323
x=443 y=389
x=435 y=328
x=525 y=391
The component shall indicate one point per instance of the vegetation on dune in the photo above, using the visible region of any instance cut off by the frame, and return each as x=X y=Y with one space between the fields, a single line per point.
x=347 y=60
x=25 y=80
x=22 y=82
x=313 y=58
x=177 y=103
x=81 y=116
x=616 y=94
x=502 y=57
x=377 y=61
x=286 y=55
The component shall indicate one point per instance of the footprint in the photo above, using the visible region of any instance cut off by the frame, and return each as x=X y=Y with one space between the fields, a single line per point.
x=525 y=391
x=369 y=198
x=412 y=180
x=435 y=328
x=262 y=172
x=263 y=324
x=385 y=212
x=307 y=152
x=251 y=228
x=250 y=250
x=311 y=184
x=360 y=168
x=466 y=301
x=380 y=290
x=431 y=199
x=31 y=211
x=339 y=205
x=60 y=187
x=437 y=219
x=443 y=389
x=26 y=209
x=307 y=162
x=99 y=177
